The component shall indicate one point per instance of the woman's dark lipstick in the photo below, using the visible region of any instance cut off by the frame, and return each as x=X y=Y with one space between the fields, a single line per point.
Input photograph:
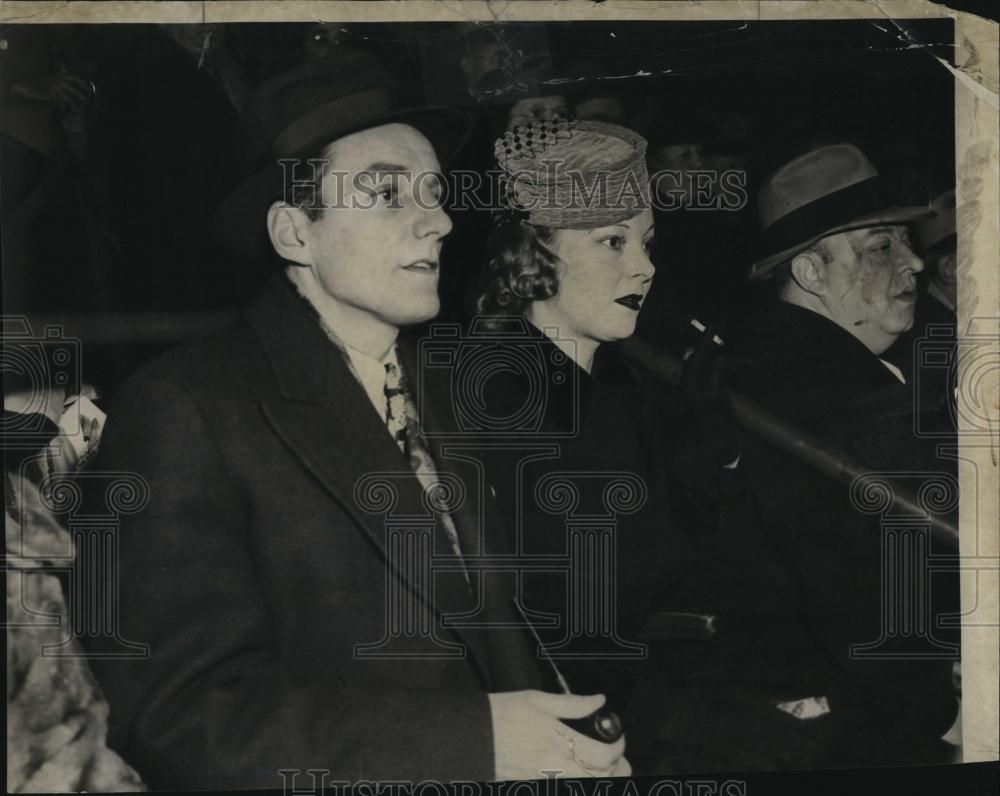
x=632 y=301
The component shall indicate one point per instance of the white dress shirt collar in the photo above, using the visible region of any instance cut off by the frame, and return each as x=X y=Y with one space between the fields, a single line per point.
x=371 y=374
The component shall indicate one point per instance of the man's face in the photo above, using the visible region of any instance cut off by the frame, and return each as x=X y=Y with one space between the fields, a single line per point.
x=945 y=268
x=377 y=245
x=871 y=283
x=533 y=109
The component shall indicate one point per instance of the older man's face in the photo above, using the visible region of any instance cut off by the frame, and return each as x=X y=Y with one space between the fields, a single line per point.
x=871 y=283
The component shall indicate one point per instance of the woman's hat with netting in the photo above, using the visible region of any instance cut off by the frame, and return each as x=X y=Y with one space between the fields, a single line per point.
x=568 y=174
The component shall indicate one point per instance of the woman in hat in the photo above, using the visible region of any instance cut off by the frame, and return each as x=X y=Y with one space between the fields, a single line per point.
x=578 y=258
x=567 y=275
x=582 y=452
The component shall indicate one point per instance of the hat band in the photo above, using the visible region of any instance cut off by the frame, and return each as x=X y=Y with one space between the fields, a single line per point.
x=812 y=220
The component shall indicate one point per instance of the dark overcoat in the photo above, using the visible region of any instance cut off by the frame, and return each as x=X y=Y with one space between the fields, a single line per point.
x=688 y=574
x=589 y=432
x=895 y=665
x=265 y=570
x=637 y=617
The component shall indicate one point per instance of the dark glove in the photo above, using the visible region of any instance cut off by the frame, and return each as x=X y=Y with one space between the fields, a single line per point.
x=707 y=407
x=704 y=454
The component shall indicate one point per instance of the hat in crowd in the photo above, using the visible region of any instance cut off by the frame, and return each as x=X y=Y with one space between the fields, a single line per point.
x=293 y=114
x=934 y=231
x=592 y=93
x=831 y=189
x=570 y=174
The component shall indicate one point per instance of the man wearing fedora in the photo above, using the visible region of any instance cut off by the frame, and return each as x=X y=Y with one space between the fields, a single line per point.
x=285 y=461
x=839 y=257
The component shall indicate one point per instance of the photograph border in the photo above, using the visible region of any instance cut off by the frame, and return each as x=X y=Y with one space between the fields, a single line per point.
x=977 y=120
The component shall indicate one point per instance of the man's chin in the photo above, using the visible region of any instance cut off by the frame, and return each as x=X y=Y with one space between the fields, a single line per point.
x=412 y=316
x=901 y=325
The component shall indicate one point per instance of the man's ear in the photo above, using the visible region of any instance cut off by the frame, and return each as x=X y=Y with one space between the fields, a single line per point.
x=286 y=227
x=808 y=272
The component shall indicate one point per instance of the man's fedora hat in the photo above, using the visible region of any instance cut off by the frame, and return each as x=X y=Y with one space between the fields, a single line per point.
x=936 y=231
x=295 y=113
x=831 y=189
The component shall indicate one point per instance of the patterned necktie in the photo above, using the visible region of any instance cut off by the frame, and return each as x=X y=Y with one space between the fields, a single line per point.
x=395 y=407
x=401 y=420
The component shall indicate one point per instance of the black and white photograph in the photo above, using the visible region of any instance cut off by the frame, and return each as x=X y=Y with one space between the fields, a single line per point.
x=484 y=396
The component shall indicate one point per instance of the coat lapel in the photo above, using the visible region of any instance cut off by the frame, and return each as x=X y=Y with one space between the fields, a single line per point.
x=325 y=418
x=468 y=516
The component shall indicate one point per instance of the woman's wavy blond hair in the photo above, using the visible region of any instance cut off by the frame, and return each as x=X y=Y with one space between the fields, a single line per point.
x=521 y=268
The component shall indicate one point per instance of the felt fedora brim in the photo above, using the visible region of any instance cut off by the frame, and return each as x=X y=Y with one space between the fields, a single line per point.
x=241 y=217
x=889 y=216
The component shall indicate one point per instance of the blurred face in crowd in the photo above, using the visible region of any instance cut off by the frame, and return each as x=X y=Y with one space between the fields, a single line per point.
x=677 y=160
x=603 y=276
x=374 y=250
x=867 y=285
x=943 y=267
x=320 y=40
x=533 y=109
x=484 y=58
x=719 y=164
x=601 y=109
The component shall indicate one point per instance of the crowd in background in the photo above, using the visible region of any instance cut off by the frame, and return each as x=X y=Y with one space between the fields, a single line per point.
x=118 y=145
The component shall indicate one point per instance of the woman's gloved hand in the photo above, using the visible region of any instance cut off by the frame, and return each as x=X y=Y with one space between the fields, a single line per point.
x=712 y=422
x=705 y=454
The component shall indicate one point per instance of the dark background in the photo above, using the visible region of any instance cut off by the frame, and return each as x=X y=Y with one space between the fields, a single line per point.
x=119 y=218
